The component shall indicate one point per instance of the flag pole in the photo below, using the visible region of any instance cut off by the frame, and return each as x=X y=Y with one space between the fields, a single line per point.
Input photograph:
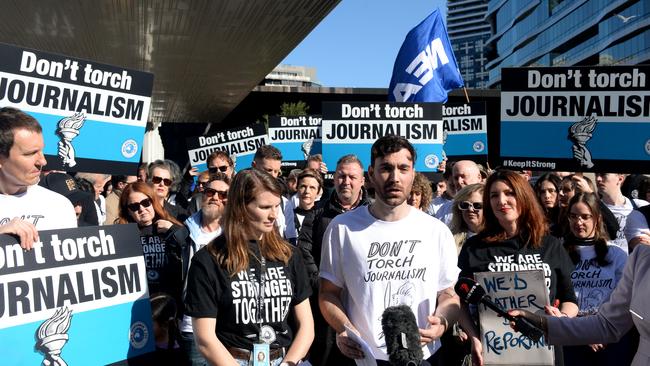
x=466 y=96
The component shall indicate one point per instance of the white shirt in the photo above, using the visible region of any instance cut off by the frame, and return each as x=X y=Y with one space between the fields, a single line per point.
x=46 y=209
x=380 y=263
x=621 y=213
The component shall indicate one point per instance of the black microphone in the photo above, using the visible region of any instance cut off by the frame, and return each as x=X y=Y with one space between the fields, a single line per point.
x=471 y=292
x=402 y=336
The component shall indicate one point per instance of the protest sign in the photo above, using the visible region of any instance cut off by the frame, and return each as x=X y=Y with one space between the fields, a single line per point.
x=465 y=131
x=512 y=290
x=296 y=137
x=93 y=115
x=241 y=143
x=80 y=296
x=352 y=128
x=576 y=119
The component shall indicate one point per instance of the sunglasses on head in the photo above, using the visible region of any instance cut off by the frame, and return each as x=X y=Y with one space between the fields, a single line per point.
x=157 y=180
x=215 y=169
x=136 y=205
x=465 y=205
x=209 y=192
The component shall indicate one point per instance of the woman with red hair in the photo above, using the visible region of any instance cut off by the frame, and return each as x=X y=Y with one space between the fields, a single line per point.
x=161 y=236
x=515 y=232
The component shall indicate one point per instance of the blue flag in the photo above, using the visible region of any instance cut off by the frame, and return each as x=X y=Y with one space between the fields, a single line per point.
x=425 y=68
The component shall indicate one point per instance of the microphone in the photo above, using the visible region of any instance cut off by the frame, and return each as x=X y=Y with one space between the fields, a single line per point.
x=402 y=336
x=471 y=292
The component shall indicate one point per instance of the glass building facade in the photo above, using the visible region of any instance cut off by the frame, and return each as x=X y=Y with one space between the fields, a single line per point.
x=566 y=33
x=468 y=30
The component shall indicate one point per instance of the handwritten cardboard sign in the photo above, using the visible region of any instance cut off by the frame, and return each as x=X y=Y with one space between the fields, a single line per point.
x=512 y=290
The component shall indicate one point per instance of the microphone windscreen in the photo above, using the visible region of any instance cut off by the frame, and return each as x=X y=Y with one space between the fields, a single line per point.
x=402 y=336
x=469 y=290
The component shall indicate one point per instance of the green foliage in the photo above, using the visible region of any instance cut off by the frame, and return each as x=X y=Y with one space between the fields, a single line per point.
x=299 y=108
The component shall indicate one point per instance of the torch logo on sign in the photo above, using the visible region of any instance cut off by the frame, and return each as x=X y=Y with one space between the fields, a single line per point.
x=581 y=132
x=306 y=148
x=52 y=335
x=68 y=129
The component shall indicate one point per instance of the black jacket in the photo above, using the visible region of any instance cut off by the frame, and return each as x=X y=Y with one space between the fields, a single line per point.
x=310 y=238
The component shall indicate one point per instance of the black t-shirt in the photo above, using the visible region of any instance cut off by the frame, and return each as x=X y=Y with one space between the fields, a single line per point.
x=511 y=255
x=232 y=300
x=162 y=257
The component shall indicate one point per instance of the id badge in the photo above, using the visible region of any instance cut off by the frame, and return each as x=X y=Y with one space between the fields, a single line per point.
x=261 y=354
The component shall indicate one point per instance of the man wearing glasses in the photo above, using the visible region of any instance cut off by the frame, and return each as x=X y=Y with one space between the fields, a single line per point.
x=26 y=207
x=220 y=161
x=464 y=173
x=203 y=227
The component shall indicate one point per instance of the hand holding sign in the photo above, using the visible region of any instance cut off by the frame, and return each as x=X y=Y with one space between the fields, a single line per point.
x=24 y=230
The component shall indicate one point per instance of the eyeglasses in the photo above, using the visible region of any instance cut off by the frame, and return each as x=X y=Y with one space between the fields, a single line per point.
x=209 y=192
x=223 y=169
x=583 y=217
x=465 y=205
x=166 y=181
x=136 y=205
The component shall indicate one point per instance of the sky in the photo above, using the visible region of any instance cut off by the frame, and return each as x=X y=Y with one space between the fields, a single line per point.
x=356 y=44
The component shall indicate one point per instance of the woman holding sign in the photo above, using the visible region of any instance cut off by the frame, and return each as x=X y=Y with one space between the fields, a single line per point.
x=242 y=286
x=514 y=237
x=161 y=236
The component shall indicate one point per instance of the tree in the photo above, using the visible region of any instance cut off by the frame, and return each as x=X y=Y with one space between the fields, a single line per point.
x=298 y=108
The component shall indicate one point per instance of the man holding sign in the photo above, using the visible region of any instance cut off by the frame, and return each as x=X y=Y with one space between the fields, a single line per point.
x=24 y=205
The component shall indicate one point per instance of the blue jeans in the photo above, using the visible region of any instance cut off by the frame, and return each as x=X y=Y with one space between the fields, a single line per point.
x=192 y=354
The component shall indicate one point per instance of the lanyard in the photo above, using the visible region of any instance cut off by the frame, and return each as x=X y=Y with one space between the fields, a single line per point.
x=260 y=295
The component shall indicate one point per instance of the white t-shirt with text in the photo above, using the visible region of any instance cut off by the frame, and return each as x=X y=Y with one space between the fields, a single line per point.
x=46 y=209
x=380 y=264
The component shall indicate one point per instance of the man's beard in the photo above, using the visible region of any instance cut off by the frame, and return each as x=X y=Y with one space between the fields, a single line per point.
x=211 y=212
x=393 y=199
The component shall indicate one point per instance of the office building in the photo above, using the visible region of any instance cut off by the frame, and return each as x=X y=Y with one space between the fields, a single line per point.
x=288 y=75
x=468 y=30
x=566 y=33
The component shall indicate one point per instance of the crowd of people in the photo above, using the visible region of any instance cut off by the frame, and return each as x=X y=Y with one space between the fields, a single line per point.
x=253 y=266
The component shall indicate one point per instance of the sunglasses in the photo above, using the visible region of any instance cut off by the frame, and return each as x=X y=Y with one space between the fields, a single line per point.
x=136 y=205
x=214 y=169
x=157 y=180
x=209 y=192
x=582 y=217
x=465 y=205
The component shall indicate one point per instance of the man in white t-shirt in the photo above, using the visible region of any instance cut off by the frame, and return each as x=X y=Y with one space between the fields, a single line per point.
x=609 y=188
x=388 y=254
x=26 y=207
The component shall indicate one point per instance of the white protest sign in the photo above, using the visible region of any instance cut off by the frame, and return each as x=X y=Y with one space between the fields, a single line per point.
x=512 y=290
